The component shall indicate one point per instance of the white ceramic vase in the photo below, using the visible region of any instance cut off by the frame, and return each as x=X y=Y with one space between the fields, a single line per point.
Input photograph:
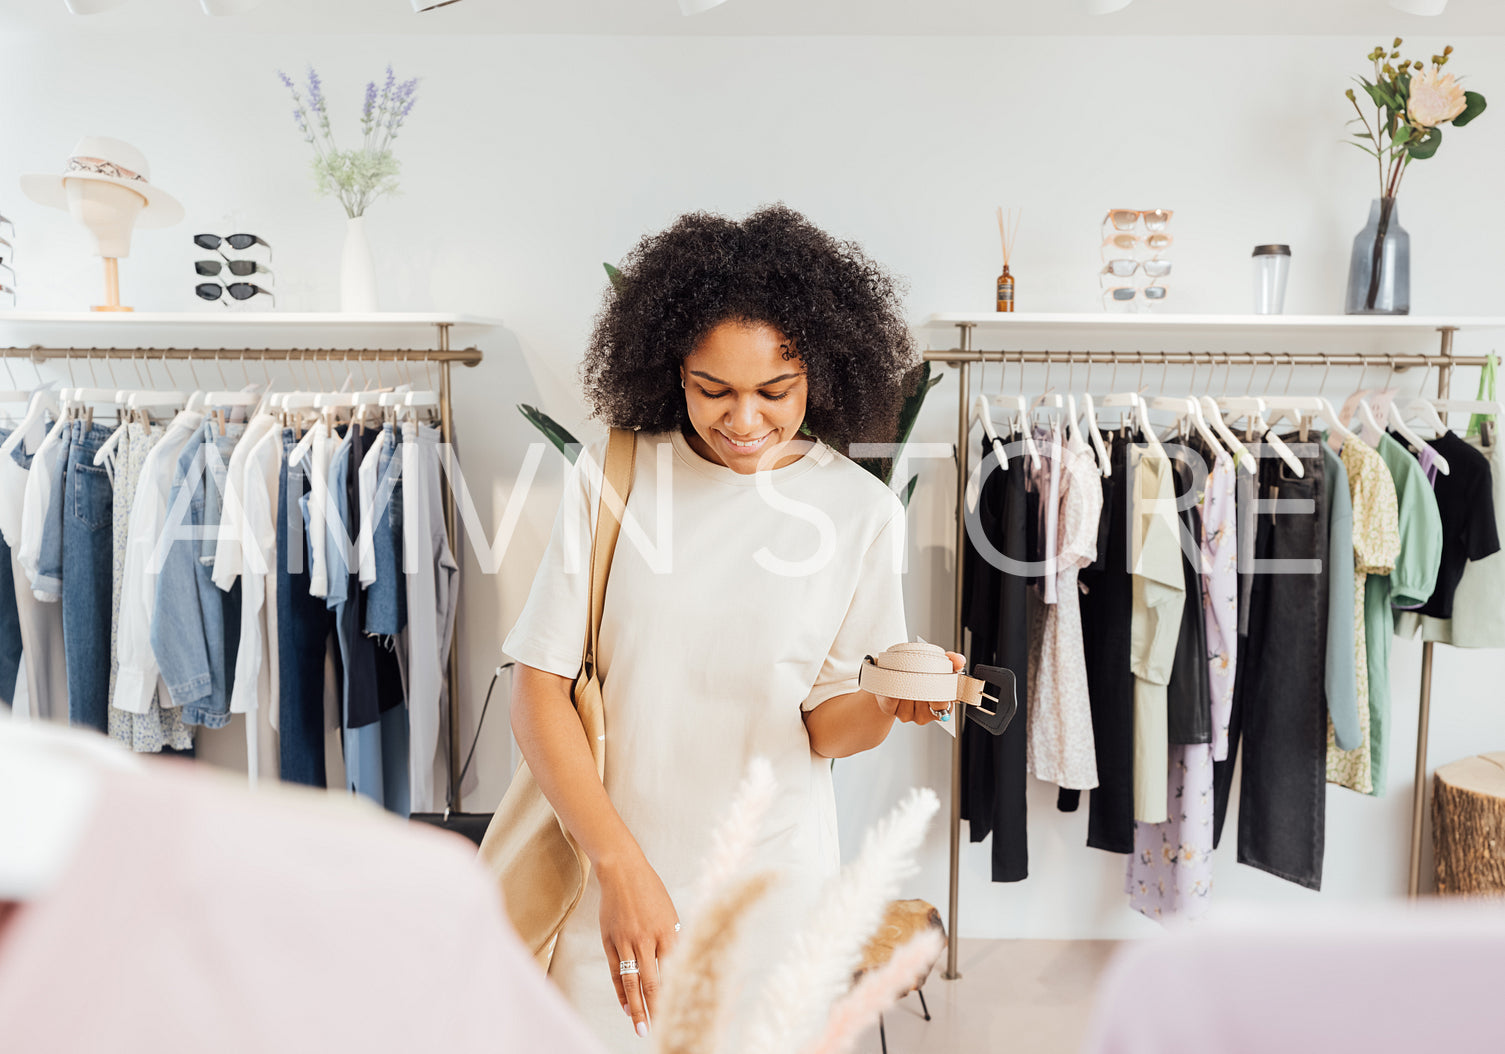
x=357 y=271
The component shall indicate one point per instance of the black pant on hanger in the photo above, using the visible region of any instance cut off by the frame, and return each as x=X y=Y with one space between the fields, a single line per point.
x=1279 y=706
x=994 y=611
x=1107 y=612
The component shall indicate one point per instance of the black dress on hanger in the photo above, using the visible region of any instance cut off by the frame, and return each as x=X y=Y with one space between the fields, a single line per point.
x=994 y=613
x=1107 y=613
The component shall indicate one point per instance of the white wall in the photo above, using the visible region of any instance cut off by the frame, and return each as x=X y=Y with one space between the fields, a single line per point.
x=528 y=161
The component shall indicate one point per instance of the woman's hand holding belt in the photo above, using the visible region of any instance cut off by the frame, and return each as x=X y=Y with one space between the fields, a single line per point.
x=916 y=711
x=638 y=927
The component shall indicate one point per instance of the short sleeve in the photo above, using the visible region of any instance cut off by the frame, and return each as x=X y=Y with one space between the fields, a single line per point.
x=874 y=620
x=1483 y=535
x=549 y=635
x=1414 y=578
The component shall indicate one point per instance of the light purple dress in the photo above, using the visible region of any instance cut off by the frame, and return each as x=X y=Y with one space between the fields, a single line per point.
x=1170 y=872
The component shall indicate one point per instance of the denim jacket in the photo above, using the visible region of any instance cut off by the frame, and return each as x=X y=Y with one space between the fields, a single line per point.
x=195 y=625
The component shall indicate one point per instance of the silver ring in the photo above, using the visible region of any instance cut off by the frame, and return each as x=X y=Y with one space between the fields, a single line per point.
x=939 y=713
x=676 y=927
x=627 y=966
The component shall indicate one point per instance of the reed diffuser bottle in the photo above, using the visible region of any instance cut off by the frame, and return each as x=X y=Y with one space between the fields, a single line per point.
x=1006 y=236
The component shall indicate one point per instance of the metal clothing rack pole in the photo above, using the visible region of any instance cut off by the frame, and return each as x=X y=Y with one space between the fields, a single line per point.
x=963 y=355
x=444 y=355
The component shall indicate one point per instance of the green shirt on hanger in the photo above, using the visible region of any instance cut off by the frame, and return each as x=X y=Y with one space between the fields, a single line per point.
x=1410 y=584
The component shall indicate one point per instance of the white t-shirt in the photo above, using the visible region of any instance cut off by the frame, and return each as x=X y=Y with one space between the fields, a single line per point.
x=734 y=601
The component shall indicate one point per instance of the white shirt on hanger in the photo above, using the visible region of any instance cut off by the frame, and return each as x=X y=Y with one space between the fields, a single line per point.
x=136 y=683
x=231 y=539
x=45 y=465
x=13 y=485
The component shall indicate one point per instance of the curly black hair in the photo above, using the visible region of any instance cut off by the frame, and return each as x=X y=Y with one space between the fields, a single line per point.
x=841 y=311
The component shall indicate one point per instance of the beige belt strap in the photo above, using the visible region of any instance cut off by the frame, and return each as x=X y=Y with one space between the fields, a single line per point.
x=918 y=671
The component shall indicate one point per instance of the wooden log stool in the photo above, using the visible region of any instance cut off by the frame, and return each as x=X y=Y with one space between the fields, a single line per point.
x=1468 y=825
x=903 y=920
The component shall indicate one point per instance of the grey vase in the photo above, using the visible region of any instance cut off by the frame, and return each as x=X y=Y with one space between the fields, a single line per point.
x=1379 y=271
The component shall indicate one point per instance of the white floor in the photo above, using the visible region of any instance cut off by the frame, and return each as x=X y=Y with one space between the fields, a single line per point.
x=1012 y=996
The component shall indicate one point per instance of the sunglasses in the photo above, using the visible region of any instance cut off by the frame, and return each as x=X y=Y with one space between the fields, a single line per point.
x=238 y=290
x=1130 y=242
x=239 y=268
x=1125 y=219
x=1124 y=293
x=1125 y=268
x=238 y=242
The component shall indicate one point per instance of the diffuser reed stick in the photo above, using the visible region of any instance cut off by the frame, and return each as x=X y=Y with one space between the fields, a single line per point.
x=1007 y=236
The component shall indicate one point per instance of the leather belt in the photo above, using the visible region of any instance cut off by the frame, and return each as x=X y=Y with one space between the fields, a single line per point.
x=924 y=673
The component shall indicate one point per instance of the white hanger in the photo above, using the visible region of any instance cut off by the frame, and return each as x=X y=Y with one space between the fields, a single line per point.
x=229 y=398
x=1296 y=407
x=1214 y=419
x=1189 y=409
x=1254 y=408
x=1467 y=406
x=42 y=400
x=1017 y=405
x=981 y=413
x=1134 y=401
x=1089 y=411
x=1397 y=422
x=1419 y=407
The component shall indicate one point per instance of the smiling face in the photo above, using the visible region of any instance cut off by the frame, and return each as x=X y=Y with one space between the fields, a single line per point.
x=745 y=392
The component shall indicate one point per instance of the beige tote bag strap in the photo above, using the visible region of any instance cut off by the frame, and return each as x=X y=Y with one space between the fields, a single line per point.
x=616 y=484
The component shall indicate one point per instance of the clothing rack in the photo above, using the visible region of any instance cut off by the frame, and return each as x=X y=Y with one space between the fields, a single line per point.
x=964 y=355
x=443 y=355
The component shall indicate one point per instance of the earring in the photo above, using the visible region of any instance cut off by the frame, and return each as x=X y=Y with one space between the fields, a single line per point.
x=681 y=382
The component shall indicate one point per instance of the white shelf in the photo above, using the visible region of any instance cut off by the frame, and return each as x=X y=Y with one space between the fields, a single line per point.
x=1099 y=322
x=251 y=319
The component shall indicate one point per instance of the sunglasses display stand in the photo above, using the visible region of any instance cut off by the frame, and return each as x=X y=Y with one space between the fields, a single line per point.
x=109 y=212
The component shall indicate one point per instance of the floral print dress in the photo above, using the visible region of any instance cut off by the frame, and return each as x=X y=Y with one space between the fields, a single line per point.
x=1376 y=544
x=1170 y=871
x=1059 y=746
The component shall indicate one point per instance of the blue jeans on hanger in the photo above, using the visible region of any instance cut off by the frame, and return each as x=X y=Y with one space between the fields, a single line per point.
x=87 y=570
x=387 y=598
x=303 y=627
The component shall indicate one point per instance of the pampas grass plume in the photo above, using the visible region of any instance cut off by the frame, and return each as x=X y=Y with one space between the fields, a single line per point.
x=876 y=992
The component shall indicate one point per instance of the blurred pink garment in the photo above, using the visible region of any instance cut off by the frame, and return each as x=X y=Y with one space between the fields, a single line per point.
x=1383 y=981
x=199 y=916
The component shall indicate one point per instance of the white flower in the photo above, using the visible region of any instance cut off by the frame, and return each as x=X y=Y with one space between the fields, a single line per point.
x=1436 y=98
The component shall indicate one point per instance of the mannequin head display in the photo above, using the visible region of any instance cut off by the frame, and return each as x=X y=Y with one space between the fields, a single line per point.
x=106 y=186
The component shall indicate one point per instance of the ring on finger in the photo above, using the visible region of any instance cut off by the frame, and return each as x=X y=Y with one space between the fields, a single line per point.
x=627 y=966
x=941 y=714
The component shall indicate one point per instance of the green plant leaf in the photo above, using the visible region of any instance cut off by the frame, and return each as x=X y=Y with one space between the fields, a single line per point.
x=1421 y=149
x=1402 y=134
x=1403 y=86
x=1473 y=106
x=614 y=275
x=908 y=491
x=926 y=379
x=1362 y=147
x=552 y=430
x=1380 y=96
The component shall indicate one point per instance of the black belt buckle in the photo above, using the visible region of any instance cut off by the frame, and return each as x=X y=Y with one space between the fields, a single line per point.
x=1005 y=701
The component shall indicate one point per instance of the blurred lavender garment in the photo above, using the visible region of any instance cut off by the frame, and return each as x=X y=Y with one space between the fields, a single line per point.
x=1170 y=872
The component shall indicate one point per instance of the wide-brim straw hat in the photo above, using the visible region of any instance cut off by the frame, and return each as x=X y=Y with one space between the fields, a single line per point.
x=106 y=160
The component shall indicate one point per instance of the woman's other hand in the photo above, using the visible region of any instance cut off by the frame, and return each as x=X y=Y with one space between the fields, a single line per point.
x=638 y=923
x=920 y=713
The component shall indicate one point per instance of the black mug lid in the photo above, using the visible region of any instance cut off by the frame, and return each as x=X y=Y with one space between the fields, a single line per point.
x=1272 y=250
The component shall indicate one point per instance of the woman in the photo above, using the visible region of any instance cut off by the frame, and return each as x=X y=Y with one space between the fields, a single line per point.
x=755 y=569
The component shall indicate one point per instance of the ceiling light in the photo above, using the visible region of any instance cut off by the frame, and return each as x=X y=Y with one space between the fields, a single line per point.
x=228 y=7
x=90 y=7
x=421 y=6
x=1419 y=7
x=697 y=7
x=1104 y=7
